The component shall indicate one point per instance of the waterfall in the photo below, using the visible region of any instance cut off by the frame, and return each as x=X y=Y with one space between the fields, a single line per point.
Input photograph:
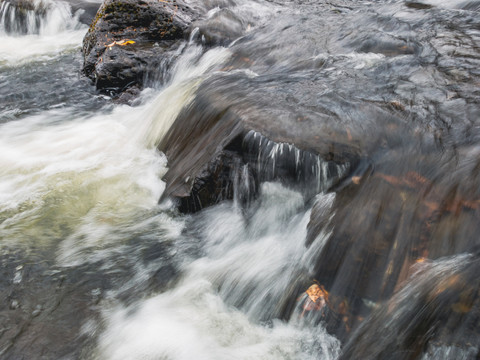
x=43 y=17
x=220 y=307
x=35 y=30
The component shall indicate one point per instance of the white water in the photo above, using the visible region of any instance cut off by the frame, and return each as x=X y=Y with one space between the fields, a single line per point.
x=85 y=184
x=56 y=31
x=44 y=17
x=67 y=171
x=247 y=265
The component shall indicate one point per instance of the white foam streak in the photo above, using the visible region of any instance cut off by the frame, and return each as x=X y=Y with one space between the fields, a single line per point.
x=187 y=76
x=246 y=265
x=29 y=48
x=62 y=170
x=191 y=322
x=43 y=35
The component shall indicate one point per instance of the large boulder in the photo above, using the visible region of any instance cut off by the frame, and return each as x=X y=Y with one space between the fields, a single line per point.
x=129 y=38
x=239 y=131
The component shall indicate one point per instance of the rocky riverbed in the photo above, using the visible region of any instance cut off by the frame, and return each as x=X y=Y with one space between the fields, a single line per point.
x=308 y=170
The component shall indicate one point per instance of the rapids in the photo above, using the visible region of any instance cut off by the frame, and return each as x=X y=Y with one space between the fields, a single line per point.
x=94 y=266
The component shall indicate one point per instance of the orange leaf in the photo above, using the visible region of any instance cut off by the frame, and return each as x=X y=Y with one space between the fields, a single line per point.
x=315 y=292
x=121 y=43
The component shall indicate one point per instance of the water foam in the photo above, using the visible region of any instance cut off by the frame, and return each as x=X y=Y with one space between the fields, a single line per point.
x=214 y=312
x=39 y=33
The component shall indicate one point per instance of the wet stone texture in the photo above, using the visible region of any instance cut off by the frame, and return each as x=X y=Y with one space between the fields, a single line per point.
x=269 y=138
x=52 y=312
x=43 y=307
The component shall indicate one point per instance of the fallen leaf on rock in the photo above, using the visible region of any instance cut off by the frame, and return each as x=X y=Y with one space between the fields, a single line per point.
x=356 y=179
x=315 y=292
x=121 y=43
x=397 y=104
x=349 y=135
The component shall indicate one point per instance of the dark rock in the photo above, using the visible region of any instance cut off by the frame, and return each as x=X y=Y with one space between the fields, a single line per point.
x=125 y=67
x=129 y=96
x=436 y=314
x=217 y=181
x=154 y=28
x=390 y=214
x=216 y=144
x=418 y=5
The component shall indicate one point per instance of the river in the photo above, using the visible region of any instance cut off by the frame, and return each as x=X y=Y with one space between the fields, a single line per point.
x=95 y=267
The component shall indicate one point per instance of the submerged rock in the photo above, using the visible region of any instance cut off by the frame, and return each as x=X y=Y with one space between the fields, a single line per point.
x=436 y=315
x=86 y=9
x=150 y=29
x=221 y=28
x=54 y=312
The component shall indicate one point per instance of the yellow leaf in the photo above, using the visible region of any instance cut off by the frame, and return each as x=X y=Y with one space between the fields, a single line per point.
x=125 y=42
x=121 y=43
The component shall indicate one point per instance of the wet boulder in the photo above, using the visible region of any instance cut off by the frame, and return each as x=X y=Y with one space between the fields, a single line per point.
x=231 y=138
x=394 y=214
x=128 y=39
x=436 y=316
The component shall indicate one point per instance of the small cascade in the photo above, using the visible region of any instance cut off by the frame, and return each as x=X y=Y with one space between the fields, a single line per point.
x=244 y=185
x=247 y=161
x=278 y=161
x=251 y=159
x=247 y=275
x=39 y=17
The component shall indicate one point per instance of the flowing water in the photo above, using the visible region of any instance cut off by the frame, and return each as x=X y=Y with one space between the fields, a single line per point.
x=94 y=267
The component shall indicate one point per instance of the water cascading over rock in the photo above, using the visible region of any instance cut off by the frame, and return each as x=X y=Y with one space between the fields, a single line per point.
x=381 y=114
